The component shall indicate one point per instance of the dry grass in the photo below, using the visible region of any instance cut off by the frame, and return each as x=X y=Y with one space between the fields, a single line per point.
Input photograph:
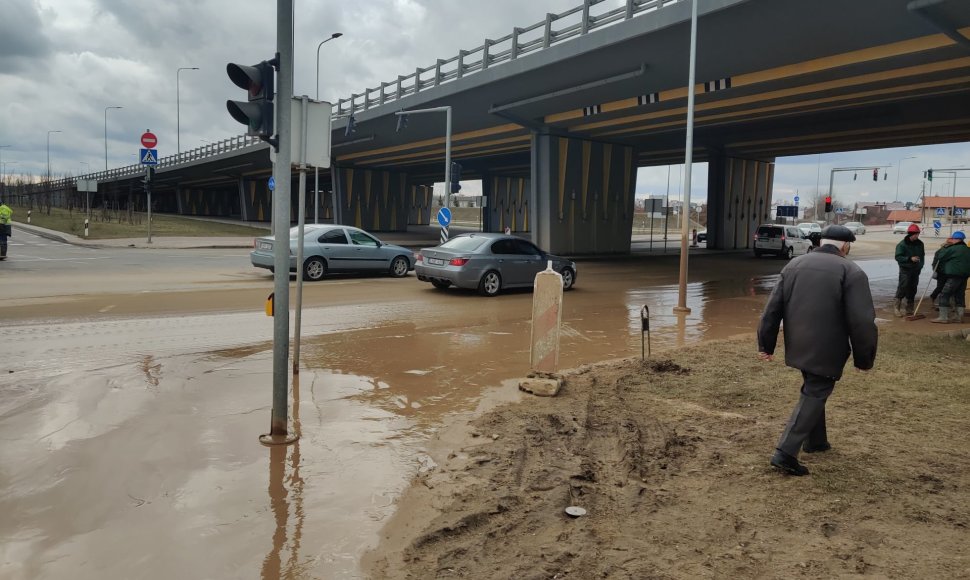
x=72 y=222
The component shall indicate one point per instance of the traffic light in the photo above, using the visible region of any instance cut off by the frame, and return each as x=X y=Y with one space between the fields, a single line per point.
x=929 y=174
x=257 y=112
x=351 y=126
x=455 y=177
x=875 y=174
x=402 y=122
x=828 y=203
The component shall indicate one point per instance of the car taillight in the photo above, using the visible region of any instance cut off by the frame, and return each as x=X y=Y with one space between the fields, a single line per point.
x=418 y=258
x=458 y=262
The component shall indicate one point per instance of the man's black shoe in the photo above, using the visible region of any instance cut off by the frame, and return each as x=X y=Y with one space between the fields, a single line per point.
x=819 y=448
x=788 y=464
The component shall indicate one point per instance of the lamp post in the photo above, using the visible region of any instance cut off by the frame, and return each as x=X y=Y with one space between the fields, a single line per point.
x=2 y=147
x=106 y=135
x=316 y=170
x=178 y=111
x=688 y=163
x=49 y=153
x=899 y=170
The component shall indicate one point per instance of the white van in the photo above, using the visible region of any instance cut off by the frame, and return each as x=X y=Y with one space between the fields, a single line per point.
x=781 y=240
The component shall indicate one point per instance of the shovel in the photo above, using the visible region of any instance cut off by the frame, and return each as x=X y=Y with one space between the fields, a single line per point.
x=916 y=315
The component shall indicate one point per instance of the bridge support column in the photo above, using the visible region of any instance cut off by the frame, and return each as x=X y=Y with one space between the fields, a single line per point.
x=372 y=199
x=738 y=199
x=582 y=195
x=509 y=203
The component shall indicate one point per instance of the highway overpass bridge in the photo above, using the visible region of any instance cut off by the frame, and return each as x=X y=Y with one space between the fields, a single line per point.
x=556 y=117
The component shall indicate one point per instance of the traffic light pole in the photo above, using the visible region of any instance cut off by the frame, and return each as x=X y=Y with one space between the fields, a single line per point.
x=447 y=112
x=842 y=169
x=281 y=225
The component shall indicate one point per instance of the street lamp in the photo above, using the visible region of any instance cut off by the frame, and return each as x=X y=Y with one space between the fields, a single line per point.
x=316 y=170
x=106 y=135
x=178 y=112
x=899 y=170
x=49 y=153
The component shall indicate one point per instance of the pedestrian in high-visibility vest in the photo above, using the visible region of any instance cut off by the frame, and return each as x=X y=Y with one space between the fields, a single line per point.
x=5 y=228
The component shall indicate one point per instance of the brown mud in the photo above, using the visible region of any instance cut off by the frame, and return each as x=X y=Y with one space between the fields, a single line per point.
x=669 y=458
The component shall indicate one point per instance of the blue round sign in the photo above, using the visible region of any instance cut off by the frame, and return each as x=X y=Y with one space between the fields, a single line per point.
x=272 y=184
x=444 y=217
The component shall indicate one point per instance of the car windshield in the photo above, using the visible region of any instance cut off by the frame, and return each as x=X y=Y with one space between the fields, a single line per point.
x=463 y=244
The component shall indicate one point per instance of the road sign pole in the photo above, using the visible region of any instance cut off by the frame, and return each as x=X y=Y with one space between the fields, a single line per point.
x=688 y=162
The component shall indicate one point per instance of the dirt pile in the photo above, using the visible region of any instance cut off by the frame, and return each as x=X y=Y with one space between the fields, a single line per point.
x=669 y=458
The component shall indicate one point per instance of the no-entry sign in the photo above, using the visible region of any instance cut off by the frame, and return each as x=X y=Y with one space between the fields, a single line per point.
x=149 y=140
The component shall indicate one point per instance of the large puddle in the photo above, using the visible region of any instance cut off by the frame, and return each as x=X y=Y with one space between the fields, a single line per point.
x=129 y=447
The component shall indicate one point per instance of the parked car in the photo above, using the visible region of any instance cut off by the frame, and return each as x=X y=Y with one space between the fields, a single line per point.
x=702 y=237
x=810 y=227
x=901 y=227
x=856 y=228
x=489 y=263
x=781 y=240
x=336 y=248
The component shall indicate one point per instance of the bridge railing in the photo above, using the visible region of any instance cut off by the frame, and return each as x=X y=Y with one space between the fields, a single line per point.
x=574 y=22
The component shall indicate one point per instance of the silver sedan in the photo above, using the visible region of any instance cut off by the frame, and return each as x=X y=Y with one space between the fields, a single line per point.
x=336 y=248
x=488 y=263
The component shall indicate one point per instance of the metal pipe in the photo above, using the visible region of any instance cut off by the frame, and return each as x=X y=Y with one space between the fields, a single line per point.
x=301 y=199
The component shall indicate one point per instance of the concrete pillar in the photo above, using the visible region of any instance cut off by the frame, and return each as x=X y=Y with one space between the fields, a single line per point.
x=420 y=204
x=243 y=206
x=738 y=199
x=372 y=199
x=582 y=195
x=509 y=203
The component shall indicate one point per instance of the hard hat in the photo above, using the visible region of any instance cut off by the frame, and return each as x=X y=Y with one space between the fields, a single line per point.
x=838 y=233
x=912 y=229
x=958 y=236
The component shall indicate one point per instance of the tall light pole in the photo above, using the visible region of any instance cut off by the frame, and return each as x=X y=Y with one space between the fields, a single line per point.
x=49 y=153
x=2 y=147
x=688 y=161
x=899 y=170
x=178 y=111
x=106 y=135
x=316 y=170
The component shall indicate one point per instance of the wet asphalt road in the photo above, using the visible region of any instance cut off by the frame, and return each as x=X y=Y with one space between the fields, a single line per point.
x=134 y=384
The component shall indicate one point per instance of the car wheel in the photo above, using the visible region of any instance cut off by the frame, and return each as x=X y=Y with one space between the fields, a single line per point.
x=314 y=269
x=789 y=253
x=399 y=267
x=490 y=283
x=568 y=278
x=440 y=284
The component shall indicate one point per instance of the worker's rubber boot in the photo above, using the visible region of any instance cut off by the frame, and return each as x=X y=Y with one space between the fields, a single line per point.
x=898 y=307
x=909 y=308
x=959 y=315
x=944 y=317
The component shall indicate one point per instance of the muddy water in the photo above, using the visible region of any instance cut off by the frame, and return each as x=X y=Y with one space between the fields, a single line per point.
x=129 y=445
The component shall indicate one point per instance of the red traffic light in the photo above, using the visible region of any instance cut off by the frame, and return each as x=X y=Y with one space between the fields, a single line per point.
x=828 y=199
x=875 y=174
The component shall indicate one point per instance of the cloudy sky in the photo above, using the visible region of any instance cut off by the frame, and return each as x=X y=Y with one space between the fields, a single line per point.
x=63 y=61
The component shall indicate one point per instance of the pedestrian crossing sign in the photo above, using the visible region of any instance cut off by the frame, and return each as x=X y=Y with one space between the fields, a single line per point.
x=149 y=156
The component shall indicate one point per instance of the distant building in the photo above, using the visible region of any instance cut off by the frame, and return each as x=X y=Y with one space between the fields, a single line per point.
x=949 y=205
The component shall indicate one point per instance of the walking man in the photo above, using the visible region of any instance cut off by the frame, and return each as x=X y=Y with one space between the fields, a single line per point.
x=954 y=262
x=5 y=214
x=825 y=303
x=910 y=255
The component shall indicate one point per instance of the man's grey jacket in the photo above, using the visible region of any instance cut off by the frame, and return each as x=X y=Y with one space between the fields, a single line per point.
x=826 y=304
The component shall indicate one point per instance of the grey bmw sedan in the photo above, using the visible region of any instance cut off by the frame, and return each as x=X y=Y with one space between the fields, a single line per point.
x=489 y=263
x=336 y=248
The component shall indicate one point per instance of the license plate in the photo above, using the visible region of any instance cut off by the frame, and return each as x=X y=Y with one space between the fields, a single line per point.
x=436 y=262
x=265 y=246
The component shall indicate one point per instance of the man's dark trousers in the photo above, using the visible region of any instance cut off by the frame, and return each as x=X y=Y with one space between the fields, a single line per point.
x=807 y=422
x=908 y=283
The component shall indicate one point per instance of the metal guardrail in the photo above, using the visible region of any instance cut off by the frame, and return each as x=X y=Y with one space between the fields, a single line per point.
x=574 y=22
